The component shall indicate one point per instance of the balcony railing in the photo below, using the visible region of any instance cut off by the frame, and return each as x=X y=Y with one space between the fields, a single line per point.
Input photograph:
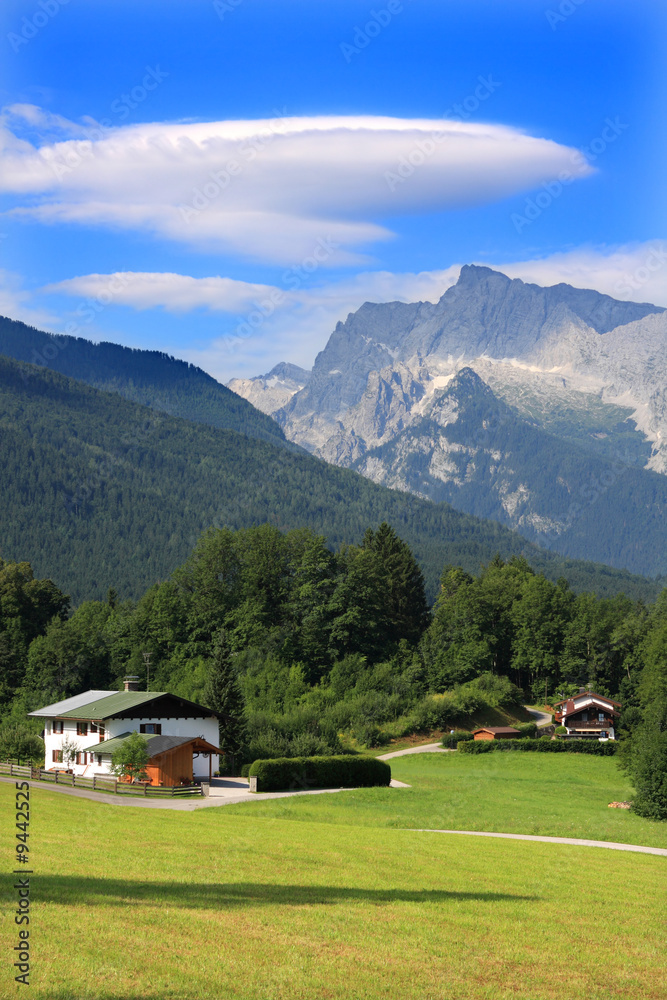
x=577 y=724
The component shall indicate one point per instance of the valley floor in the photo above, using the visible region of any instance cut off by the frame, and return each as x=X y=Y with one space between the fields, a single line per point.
x=330 y=896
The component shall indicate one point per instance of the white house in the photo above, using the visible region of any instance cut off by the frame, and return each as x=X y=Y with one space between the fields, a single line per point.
x=97 y=721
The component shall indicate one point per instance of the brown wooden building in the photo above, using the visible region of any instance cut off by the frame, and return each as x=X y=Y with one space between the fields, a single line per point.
x=170 y=761
x=495 y=733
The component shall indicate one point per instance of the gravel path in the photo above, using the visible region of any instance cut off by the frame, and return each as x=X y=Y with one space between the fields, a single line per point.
x=427 y=748
x=555 y=840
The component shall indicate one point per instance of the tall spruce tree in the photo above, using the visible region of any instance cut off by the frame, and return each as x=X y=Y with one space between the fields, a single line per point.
x=223 y=694
x=403 y=596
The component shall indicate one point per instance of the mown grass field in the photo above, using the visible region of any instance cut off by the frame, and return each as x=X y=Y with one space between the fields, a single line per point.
x=553 y=795
x=332 y=900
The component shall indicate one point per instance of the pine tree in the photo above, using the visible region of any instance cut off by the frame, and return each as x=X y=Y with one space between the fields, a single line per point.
x=223 y=694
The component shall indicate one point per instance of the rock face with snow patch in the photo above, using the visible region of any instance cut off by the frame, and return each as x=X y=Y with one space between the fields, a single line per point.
x=470 y=398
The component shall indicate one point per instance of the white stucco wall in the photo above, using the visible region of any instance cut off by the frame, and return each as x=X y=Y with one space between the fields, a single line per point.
x=204 y=727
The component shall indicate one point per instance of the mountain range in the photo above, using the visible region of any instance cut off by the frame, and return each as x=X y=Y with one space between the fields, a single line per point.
x=98 y=490
x=542 y=408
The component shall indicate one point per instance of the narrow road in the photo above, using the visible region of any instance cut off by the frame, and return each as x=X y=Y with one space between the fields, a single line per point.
x=541 y=718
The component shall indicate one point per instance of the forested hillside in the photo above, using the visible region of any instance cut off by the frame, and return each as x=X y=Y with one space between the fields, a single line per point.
x=149 y=377
x=97 y=492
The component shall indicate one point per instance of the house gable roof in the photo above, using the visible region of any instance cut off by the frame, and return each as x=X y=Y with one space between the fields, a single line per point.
x=124 y=705
x=588 y=694
x=496 y=729
x=155 y=745
x=58 y=707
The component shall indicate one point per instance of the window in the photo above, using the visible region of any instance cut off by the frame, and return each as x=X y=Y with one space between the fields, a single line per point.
x=99 y=759
x=57 y=757
x=151 y=728
x=584 y=717
x=600 y=716
x=82 y=729
x=93 y=727
x=58 y=726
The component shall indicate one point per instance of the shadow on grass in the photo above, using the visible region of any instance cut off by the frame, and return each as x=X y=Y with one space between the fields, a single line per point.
x=118 y=892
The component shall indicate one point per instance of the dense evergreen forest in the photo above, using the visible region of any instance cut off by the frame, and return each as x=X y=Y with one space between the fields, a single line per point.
x=97 y=491
x=149 y=377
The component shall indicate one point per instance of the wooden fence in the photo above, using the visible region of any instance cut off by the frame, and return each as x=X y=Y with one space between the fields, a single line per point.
x=101 y=783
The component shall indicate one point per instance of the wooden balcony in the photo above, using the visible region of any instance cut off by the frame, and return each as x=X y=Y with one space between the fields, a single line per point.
x=577 y=724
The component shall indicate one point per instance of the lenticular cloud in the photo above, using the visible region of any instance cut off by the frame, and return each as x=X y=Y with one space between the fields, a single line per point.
x=269 y=189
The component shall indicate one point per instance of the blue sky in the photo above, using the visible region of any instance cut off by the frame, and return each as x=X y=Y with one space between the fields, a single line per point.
x=225 y=180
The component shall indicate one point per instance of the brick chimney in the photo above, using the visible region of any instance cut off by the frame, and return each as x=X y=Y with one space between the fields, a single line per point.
x=131 y=682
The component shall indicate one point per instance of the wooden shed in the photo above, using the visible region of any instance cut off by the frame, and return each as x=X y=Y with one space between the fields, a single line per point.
x=495 y=733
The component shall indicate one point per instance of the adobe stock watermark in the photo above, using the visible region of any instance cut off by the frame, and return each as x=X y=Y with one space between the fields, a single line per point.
x=425 y=148
x=561 y=14
x=552 y=190
x=31 y=26
x=291 y=281
x=79 y=150
x=218 y=181
x=224 y=7
x=633 y=281
x=378 y=20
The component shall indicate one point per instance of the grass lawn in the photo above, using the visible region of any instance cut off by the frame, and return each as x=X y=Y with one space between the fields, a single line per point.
x=554 y=795
x=250 y=902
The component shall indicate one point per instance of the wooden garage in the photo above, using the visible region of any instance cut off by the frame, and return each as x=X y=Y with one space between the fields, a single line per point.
x=172 y=765
x=495 y=733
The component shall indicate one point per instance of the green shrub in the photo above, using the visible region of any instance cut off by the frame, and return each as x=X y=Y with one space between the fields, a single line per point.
x=560 y=731
x=477 y=746
x=527 y=729
x=452 y=740
x=20 y=742
x=303 y=773
x=245 y=770
x=369 y=735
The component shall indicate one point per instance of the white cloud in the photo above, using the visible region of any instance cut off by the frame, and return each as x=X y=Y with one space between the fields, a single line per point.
x=174 y=292
x=268 y=189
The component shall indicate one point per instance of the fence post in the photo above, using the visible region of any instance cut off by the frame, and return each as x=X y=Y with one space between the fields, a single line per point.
x=115 y=788
x=56 y=777
x=11 y=770
x=145 y=789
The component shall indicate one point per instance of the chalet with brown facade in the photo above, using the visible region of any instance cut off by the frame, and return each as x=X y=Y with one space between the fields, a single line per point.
x=588 y=714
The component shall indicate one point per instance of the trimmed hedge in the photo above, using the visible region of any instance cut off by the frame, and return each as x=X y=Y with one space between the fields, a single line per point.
x=303 y=773
x=451 y=740
x=542 y=745
x=477 y=746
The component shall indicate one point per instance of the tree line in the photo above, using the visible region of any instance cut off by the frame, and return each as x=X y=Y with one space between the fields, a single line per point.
x=304 y=646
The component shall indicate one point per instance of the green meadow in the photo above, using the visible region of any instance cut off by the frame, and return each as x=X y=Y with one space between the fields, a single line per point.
x=564 y=795
x=330 y=896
